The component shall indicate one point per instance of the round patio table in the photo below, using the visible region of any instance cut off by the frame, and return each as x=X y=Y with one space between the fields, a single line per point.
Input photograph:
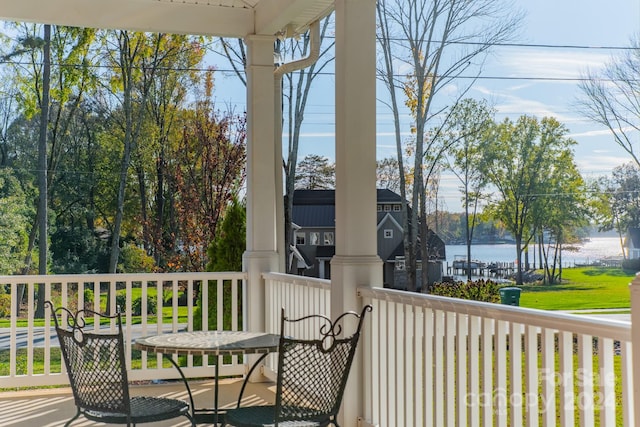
x=210 y=343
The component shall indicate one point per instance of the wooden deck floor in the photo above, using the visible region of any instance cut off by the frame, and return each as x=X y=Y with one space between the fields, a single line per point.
x=53 y=407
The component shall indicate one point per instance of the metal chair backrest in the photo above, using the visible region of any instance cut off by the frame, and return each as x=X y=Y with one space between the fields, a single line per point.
x=95 y=361
x=313 y=373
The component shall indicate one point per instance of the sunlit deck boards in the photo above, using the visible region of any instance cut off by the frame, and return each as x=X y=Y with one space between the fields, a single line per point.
x=53 y=407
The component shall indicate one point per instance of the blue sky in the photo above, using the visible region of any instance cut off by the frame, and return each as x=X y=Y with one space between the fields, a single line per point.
x=593 y=23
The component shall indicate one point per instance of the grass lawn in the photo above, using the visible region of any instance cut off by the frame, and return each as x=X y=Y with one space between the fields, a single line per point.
x=581 y=288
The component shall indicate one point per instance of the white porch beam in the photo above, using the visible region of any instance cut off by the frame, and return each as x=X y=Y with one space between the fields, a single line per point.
x=273 y=16
x=356 y=262
x=262 y=181
x=134 y=15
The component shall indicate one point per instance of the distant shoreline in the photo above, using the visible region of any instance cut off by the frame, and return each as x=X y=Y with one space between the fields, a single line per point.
x=587 y=252
x=484 y=242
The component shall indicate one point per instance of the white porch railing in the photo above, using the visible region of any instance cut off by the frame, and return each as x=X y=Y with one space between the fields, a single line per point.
x=300 y=296
x=31 y=339
x=427 y=360
x=434 y=361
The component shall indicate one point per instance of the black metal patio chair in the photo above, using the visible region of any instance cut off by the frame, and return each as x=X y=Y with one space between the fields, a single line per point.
x=95 y=362
x=312 y=375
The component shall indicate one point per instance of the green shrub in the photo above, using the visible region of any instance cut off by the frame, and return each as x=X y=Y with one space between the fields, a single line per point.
x=135 y=260
x=480 y=290
x=121 y=302
x=88 y=297
x=136 y=304
x=167 y=297
x=5 y=305
x=631 y=265
x=212 y=313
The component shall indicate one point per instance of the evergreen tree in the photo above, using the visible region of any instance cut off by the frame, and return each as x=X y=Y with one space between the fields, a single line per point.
x=315 y=172
x=225 y=254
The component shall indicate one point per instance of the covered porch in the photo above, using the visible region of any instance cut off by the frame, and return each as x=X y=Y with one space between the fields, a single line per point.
x=424 y=360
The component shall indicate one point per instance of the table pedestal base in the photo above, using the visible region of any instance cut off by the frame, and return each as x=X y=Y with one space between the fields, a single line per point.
x=212 y=416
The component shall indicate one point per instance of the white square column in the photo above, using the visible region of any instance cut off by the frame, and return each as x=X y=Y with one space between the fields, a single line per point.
x=263 y=196
x=356 y=262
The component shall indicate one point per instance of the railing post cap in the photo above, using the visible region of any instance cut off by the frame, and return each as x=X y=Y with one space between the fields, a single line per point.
x=635 y=283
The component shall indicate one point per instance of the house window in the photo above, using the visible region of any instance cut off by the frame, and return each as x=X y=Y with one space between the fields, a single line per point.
x=379 y=208
x=387 y=208
x=328 y=238
x=388 y=234
x=397 y=208
x=301 y=238
x=314 y=238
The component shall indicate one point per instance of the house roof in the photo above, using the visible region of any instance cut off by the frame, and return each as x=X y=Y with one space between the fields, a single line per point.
x=314 y=197
x=226 y=18
x=314 y=216
x=316 y=208
x=387 y=196
x=328 y=197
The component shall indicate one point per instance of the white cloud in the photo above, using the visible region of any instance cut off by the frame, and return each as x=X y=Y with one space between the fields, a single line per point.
x=545 y=63
x=512 y=105
x=596 y=164
x=602 y=132
x=590 y=133
x=385 y=134
x=314 y=135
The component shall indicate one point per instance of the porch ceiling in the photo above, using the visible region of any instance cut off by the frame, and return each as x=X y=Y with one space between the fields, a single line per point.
x=226 y=18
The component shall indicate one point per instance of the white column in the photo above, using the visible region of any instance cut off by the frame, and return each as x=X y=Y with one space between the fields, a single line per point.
x=356 y=262
x=262 y=182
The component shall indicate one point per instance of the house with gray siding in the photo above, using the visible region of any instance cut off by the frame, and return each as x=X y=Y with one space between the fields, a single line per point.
x=313 y=224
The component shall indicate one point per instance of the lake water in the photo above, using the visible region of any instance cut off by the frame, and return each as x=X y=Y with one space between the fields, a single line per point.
x=595 y=249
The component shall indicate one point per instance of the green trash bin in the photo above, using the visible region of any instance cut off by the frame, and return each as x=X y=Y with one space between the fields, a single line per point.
x=510 y=296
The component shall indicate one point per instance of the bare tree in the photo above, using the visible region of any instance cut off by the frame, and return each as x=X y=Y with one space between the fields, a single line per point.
x=388 y=174
x=438 y=41
x=612 y=99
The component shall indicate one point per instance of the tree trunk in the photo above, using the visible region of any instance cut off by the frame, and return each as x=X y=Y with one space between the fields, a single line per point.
x=467 y=228
x=144 y=215
x=43 y=235
x=540 y=242
x=127 y=58
x=519 y=260
x=156 y=234
x=124 y=170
